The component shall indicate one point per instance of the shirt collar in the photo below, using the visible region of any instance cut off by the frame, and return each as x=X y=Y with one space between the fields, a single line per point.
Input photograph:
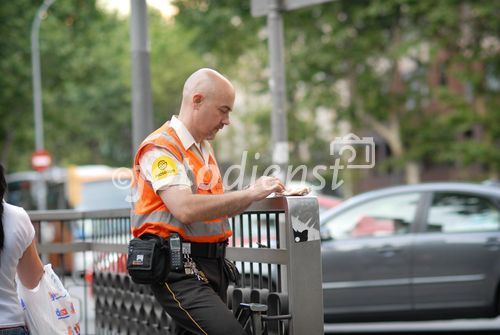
x=185 y=136
x=187 y=139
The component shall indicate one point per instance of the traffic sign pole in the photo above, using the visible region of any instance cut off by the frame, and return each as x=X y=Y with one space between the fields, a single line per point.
x=41 y=161
x=40 y=185
x=36 y=73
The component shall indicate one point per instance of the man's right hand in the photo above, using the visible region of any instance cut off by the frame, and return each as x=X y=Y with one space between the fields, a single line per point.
x=188 y=207
x=264 y=186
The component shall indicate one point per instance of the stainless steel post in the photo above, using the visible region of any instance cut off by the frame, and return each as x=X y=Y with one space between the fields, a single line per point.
x=304 y=272
x=278 y=88
x=142 y=102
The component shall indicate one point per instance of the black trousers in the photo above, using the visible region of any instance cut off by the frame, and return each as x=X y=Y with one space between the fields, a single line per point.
x=196 y=306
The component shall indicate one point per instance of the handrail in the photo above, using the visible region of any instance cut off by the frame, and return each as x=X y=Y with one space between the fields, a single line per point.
x=276 y=204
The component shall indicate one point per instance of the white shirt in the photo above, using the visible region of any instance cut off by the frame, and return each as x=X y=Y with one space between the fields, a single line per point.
x=187 y=139
x=18 y=235
x=177 y=175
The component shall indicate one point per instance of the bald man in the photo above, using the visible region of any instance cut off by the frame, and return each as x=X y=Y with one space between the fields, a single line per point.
x=181 y=192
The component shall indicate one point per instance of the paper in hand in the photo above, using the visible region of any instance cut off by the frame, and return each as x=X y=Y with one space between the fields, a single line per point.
x=300 y=191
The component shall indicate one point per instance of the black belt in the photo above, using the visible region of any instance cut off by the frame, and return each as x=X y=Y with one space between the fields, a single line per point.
x=208 y=250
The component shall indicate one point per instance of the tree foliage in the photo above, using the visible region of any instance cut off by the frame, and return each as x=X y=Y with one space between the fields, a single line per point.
x=15 y=82
x=422 y=76
x=382 y=54
x=86 y=76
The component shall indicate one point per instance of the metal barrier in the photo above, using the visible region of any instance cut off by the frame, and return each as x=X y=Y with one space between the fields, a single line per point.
x=275 y=245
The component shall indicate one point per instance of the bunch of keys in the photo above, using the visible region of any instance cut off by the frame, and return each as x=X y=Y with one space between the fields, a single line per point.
x=200 y=275
x=189 y=264
x=188 y=261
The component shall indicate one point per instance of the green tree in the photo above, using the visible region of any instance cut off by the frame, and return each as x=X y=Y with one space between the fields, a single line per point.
x=381 y=53
x=84 y=91
x=86 y=85
x=172 y=61
x=471 y=64
x=16 y=138
x=86 y=76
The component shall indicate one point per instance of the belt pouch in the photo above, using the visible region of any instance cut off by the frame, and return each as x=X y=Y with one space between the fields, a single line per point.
x=148 y=259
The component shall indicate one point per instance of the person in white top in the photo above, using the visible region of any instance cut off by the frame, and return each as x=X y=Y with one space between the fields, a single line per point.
x=17 y=254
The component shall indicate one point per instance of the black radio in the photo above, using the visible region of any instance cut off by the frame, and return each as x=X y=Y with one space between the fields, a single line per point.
x=175 y=245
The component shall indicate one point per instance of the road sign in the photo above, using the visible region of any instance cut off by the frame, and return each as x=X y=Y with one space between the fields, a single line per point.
x=261 y=7
x=40 y=160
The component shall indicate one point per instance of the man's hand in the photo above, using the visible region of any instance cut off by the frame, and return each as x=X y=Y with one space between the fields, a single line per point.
x=265 y=186
x=188 y=207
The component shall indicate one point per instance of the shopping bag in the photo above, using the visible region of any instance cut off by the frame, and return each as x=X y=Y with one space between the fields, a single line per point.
x=48 y=308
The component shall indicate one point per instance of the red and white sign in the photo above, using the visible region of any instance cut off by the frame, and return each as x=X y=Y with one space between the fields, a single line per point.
x=40 y=160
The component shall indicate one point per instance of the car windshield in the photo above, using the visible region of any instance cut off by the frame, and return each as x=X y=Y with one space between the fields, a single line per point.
x=102 y=194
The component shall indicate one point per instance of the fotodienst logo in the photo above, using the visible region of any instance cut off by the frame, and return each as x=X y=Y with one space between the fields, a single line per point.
x=348 y=152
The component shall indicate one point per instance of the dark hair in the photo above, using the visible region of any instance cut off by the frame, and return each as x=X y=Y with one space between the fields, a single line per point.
x=3 y=187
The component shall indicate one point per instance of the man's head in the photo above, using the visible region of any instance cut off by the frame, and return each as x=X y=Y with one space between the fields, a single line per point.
x=207 y=100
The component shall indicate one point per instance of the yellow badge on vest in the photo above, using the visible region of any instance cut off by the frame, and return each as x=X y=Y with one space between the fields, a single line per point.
x=163 y=167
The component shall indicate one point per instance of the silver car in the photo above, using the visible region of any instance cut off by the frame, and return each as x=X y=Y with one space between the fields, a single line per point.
x=416 y=252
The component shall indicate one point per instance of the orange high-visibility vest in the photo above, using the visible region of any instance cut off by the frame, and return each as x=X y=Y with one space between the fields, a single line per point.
x=151 y=215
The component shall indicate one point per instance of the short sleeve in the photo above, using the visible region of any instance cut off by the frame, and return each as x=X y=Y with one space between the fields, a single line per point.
x=25 y=229
x=162 y=169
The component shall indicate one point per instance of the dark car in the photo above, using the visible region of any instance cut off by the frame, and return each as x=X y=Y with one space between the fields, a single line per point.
x=416 y=252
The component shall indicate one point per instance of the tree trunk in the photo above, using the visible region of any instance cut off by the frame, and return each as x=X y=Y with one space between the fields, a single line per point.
x=493 y=174
x=412 y=172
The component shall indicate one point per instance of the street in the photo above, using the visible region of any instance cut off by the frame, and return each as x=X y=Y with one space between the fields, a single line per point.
x=472 y=327
x=480 y=326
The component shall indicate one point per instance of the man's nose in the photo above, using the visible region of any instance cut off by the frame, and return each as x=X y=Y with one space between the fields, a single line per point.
x=226 y=121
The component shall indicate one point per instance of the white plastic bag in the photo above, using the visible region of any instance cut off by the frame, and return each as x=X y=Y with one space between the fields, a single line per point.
x=48 y=308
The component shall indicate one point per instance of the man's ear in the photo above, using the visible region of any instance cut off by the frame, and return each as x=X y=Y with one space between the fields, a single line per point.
x=197 y=99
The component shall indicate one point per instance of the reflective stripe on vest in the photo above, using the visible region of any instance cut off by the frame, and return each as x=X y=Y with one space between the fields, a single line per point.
x=150 y=214
x=192 y=229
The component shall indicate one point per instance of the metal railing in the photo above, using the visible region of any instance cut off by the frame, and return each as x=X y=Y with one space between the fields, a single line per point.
x=275 y=245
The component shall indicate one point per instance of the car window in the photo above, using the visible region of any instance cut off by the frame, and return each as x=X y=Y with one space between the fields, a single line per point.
x=390 y=215
x=451 y=212
x=103 y=194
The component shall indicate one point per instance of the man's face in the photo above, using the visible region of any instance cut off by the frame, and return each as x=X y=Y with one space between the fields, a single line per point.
x=214 y=111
